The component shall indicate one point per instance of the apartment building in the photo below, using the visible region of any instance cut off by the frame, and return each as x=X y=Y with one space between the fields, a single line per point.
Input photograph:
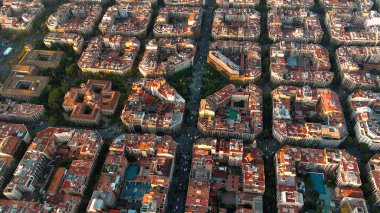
x=237 y=3
x=238 y=61
x=178 y=22
x=349 y=204
x=110 y=54
x=373 y=169
x=308 y=117
x=190 y=3
x=167 y=56
x=353 y=28
x=294 y=4
x=143 y=185
x=232 y=112
x=300 y=64
x=347 y=5
x=21 y=112
x=19 y=15
x=292 y=161
x=236 y=24
x=214 y=168
x=128 y=19
x=28 y=172
x=102 y=2
x=36 y=166
x=153 y=2
x=153 y=106
x=294 y=25
x=65 y=203
x=13 y=139
x=74 y=17
x=364 y=111
x=108 y=187
x=356 y=65
x=73 y=40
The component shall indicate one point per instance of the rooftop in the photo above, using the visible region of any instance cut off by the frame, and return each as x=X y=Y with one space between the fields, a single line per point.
x=293 y=4
x=178 y=22
x=110 y=54
x=294 y=25
x=75 y=18
x=237 y=3
x=218 y=164
x=297 y=64
x=232 y=112
x=20 y=15
x=146 y=181
x=167 y=56
x=373 y=167
x=236 y=24
x=353 y=28
x=10 y=110
x=91 y=99
x=302 y=115
x=365 y=113
x=129 y=19
x=23 y=87
x=65 y=203
x=83 y=145
x=356 y=65
x=185 y=2
x=348 y=4
x=42 y=58
x=290 y=159
x=239 y=61
x=154 y=106
x=11 y=138
x=72 y=39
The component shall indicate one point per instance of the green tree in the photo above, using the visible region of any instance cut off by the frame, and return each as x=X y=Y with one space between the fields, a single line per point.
x=214 y=82
x=181 y=82
x=53 y=121
x=331 y=183
x=318 y=8
x=247 y=206
x=265 y=71
x=363 y=147
x=314 y=194
x=131 y=158
x=34 y=100
x=55 y=99
x=63 y=61
x=350 y=141
x=366 y=187
x=308 y=182
x=311 y=205
x=6 y=34
x=266 y=133
x=70 y=69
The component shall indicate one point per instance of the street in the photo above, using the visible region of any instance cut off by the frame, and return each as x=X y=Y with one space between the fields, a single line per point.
x=178 y=190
